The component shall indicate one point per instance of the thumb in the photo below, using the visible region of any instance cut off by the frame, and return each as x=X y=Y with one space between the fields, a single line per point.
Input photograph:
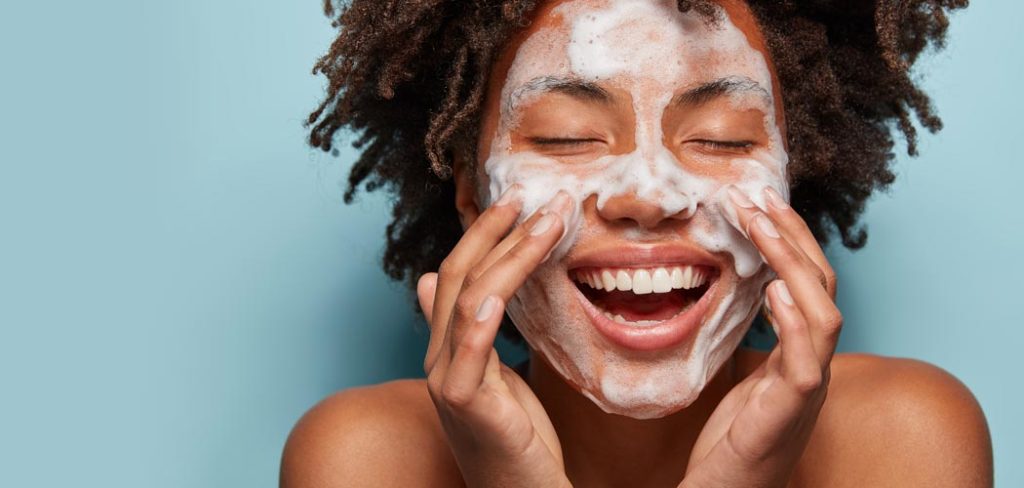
x=425 y=289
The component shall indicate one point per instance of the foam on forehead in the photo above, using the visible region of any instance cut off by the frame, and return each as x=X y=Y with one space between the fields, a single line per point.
x=652 y=51
x=634 y=44
x=601 y=46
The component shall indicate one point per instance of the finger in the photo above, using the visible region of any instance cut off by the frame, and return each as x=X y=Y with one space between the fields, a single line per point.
x=743 y=208
x=782 y=397
x=425 y=289
x=795 y=228
x=466 y=370
x=801 y=278
x=560 y=205
x=801 y=275
x=481 y=237
x=799 y=366
x=507 y=274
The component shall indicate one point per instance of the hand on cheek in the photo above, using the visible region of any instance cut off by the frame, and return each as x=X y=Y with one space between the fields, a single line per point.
x=788 y=247
x=760 y=429
x=496 y=427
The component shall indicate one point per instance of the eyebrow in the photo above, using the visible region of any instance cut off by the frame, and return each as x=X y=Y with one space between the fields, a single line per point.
x=573 y=87
x=705 y=92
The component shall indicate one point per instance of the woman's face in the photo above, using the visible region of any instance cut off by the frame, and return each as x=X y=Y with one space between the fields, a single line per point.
x=644 y=116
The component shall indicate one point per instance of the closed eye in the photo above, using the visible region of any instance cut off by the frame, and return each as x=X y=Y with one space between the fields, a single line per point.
x=725 y=144
x=724 y=147
x=561 y=141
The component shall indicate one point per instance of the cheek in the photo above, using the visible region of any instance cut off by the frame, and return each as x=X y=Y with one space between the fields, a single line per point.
x=715 y=168
x=481 y=188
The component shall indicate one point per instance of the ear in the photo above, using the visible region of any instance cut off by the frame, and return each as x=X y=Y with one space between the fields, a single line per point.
x=465 y=193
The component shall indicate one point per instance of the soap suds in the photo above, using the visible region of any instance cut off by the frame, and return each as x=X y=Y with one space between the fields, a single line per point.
x=624 y=44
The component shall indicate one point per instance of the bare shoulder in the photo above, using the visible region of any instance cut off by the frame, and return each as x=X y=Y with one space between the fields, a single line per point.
x=380 y=435
x=897 y=422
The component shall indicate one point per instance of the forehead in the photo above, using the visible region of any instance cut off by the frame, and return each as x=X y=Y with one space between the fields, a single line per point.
x=646 y=41
x=645 y=45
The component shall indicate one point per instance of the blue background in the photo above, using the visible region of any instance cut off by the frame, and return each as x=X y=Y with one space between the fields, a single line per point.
x=180 y=281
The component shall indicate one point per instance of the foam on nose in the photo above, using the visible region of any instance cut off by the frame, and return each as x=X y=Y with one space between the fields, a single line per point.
x=650 y=50
x=625 y=43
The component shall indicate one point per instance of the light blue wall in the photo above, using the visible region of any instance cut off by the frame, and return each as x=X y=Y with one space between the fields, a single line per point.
x=179 y=279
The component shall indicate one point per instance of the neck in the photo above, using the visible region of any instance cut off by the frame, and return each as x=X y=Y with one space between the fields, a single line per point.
x=602 y=449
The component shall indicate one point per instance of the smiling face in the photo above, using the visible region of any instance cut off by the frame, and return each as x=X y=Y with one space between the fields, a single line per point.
x=643 y=115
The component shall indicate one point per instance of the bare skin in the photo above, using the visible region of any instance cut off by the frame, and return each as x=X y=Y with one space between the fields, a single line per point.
x=797 y=416
x=887 y=422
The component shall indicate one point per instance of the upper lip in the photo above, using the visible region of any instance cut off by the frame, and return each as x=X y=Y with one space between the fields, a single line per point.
x=645 y=256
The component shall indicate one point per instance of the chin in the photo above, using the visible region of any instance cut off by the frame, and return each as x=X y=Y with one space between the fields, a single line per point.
x=640 y=334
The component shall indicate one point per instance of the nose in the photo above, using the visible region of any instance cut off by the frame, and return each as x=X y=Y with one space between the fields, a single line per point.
x=643 y=212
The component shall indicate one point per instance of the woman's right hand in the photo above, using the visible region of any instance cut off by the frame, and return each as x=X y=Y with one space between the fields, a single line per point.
x=498 y=430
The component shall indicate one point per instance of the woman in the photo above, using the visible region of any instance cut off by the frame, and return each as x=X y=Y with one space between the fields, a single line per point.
x=632 y=180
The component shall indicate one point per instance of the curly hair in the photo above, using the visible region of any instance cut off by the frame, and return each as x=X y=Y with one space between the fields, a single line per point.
x=408 y=78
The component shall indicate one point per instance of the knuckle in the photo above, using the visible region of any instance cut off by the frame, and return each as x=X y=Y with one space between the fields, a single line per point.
x=434 y=383
x=456 y=396
x=807 y=382
x=449 y=266
x=465 y=308
x=831 y=321
x=472 y=277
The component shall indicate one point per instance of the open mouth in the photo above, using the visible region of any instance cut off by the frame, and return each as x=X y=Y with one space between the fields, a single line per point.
x=644 y=297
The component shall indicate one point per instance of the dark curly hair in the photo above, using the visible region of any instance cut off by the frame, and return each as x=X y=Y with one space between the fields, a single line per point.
x=408 y=78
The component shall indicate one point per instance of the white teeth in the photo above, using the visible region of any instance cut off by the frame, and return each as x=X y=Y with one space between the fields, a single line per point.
x=677 y=278
x=698 y=279
x=623 y=282
x=608 y=279
x=688 y=277
x=660 y=281
x=622 y=320
x=643 y=281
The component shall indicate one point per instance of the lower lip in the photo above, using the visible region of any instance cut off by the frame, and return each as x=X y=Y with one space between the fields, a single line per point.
x=650 y=338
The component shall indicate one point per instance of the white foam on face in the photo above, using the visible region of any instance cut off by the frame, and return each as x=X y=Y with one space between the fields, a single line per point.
x=652 y=51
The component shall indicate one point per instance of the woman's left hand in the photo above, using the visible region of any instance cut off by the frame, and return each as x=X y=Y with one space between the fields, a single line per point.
x=758 y=432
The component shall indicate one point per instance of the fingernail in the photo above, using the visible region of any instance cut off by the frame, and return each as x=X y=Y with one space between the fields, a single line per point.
x=507 y=197
x=729 y=212
x=559 y=203
x=783 y=291
x=775 y=198
x=739 y=198
x=766 y=225
x=487 y=308
x=542 y=225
